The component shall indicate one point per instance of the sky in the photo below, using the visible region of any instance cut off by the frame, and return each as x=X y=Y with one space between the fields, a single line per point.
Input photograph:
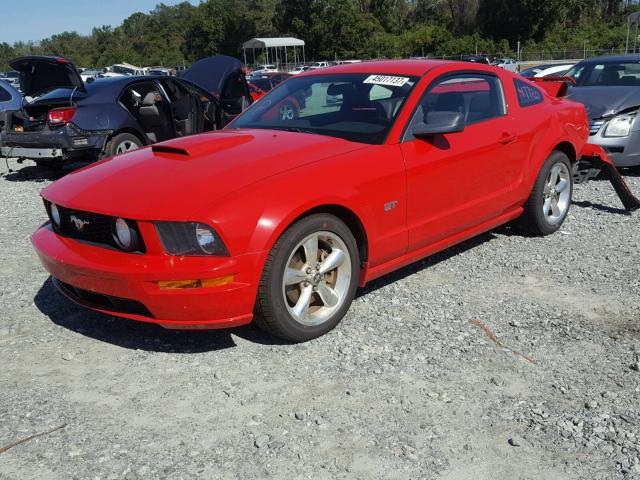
x=38 y=19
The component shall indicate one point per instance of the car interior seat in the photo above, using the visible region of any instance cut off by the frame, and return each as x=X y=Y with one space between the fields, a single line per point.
x=357 y=107
x=153 y=119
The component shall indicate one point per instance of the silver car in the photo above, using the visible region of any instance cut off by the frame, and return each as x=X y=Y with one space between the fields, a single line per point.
x=609 y=88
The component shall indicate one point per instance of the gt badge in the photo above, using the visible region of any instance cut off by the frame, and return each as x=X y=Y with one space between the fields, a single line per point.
x=390 y=206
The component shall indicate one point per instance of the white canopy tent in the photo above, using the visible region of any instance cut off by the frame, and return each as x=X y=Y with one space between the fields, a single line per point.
x=272 y=46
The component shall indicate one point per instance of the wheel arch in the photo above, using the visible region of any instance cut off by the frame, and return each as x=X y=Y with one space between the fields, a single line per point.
x=131 y=131
x=345 y=214
x=568 y=149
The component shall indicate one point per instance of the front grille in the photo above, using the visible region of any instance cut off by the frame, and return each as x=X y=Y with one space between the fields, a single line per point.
x=103 y=302
x=595 y=126
x=89 y=227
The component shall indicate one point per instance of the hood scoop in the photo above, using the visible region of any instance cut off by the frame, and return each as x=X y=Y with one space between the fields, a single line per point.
x=167 y=149
x=199 y=145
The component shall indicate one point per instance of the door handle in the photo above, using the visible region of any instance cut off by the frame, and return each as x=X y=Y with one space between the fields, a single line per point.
x=507 y=138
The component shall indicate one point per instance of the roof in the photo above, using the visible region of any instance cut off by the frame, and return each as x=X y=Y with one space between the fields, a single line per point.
x=631 y=57
x=273 y=42
x=397 y=67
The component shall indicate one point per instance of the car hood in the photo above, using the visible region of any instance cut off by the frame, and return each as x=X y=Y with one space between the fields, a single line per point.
x=179 y=179
x=211 y=73
x=606 y=100
x=41 y=74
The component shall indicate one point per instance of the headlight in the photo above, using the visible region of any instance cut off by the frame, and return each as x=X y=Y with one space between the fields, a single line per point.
x=620 y=126
x=190 y=239
x=55 y=214
x=125 y=235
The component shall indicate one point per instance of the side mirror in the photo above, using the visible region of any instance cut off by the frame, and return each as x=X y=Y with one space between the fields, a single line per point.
x=439 y=123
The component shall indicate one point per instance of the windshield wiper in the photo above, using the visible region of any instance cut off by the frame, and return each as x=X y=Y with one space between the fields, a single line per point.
x=294 y=129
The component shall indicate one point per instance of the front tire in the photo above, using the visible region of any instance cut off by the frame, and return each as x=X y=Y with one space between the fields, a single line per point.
x=549 y=202
x=309 y=279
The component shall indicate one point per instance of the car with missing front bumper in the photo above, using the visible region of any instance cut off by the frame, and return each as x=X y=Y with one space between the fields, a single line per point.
x=279 y=220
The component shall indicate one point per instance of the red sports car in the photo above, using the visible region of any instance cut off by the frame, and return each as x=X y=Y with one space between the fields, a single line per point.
x=279 y=220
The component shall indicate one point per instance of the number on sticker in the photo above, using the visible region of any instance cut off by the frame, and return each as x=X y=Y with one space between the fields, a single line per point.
x=388 y=80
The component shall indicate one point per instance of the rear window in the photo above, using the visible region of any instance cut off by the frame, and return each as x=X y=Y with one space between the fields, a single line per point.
x=528 y=95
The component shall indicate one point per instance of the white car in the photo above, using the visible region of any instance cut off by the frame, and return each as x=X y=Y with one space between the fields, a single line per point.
x=299 y=70
x=264 y=69
x=547 y=71
x=557 y=70
x=318 y=65
x=507 y=63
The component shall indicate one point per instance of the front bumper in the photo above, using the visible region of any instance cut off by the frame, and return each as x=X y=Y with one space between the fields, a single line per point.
x=52 y=144
x=623 y=151
x=126 y=285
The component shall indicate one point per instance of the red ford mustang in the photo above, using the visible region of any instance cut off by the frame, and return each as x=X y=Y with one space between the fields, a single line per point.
x=281 y=219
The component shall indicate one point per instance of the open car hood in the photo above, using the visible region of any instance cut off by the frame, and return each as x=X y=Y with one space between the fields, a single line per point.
x=211 y=73
x=41 y=74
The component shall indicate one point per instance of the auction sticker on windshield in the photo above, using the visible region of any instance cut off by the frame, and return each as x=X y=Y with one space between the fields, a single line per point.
x=387 y=80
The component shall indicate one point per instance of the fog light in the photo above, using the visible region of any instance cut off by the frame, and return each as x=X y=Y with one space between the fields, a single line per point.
x=124 y=235
x=80 y=142
x=55 y=214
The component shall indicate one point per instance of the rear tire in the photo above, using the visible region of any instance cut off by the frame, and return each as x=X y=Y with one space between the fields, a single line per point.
x=121 y=143
x=550 y=199
x=309 y=279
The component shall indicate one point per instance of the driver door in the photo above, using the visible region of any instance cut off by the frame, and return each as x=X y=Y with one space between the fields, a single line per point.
x=459 y=180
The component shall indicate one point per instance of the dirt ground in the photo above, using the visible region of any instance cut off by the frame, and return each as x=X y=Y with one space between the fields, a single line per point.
x=507 y=357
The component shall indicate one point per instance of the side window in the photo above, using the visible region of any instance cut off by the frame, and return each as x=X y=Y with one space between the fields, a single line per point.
x=528 y=95
x=4 y=95
x=477 y=97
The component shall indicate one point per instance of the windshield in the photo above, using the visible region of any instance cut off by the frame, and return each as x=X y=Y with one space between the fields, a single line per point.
x=355 y=107
x=591 y=74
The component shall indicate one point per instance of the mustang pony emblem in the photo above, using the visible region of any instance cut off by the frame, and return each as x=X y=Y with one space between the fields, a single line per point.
x=78 y=222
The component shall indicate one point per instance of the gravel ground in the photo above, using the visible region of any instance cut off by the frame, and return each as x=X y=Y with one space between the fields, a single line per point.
x=505 y=357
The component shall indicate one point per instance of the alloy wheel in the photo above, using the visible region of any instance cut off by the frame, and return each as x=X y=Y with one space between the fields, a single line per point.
x=317 y=277
x=126 y=146
x=287 y=112
x=557 y=193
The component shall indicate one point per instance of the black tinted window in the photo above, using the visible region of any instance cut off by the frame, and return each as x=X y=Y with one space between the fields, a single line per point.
x=4 y=95
x=477 y=98
x=527 y=94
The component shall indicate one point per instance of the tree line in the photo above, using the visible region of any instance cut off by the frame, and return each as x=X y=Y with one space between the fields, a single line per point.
x=182 y=33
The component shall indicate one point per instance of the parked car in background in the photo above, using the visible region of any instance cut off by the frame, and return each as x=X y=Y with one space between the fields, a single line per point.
x=124 y=69
x=609 y=88
x=159 y=71
x=10 y=99
x=299 y=69
x=264 y=69
x=67 y=118
x=475 y=59
x=507 y=63
x=551 y=70
x=13 y=78
x=274 y=78
x=283 y=219
x=91 y=74
x=318 y=65
x=256 y=92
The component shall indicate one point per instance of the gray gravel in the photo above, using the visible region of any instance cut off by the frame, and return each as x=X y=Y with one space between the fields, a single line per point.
x=409 y=386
